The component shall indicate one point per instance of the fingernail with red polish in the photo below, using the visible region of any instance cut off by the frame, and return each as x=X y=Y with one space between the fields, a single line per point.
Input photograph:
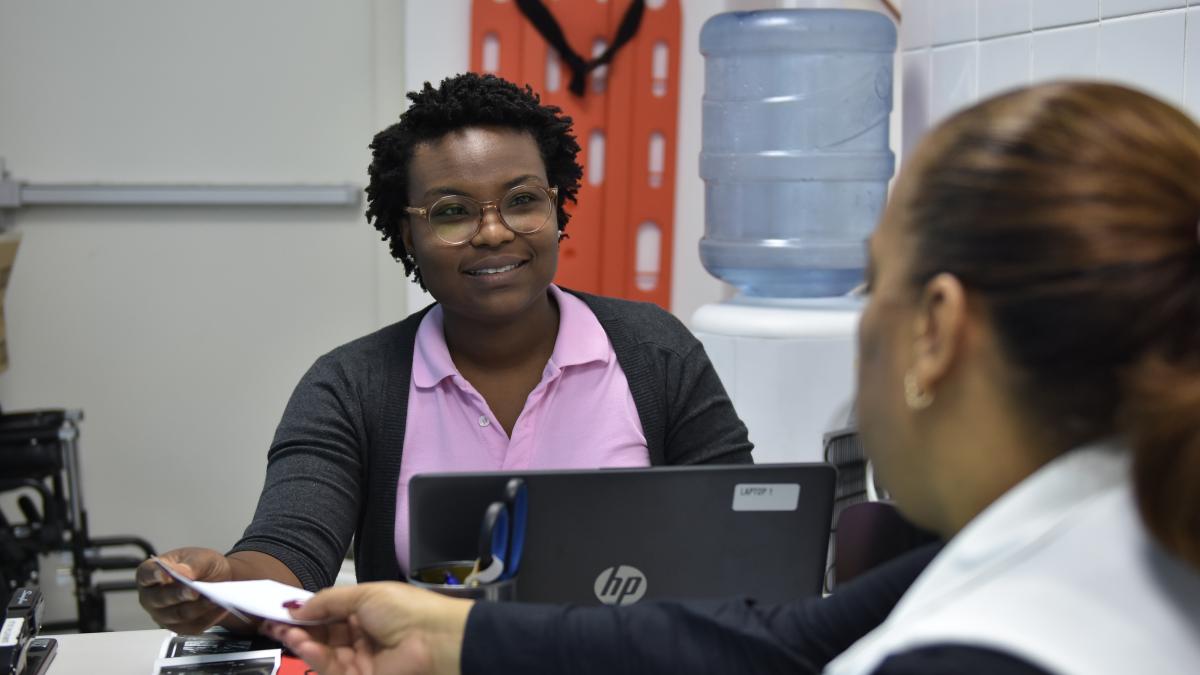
x=293 y=604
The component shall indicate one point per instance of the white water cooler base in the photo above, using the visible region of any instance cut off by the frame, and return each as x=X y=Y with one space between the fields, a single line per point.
x=788 y=365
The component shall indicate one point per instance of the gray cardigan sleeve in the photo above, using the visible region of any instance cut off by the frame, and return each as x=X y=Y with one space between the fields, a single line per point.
x=310 y=501
x=685 y=412
x=703 y=427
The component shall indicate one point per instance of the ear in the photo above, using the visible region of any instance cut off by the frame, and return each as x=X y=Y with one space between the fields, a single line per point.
x=406 y=233
x=939 y=330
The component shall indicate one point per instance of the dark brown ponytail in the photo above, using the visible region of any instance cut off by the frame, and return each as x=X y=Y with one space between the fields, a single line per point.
x=1073 y=211
x=1163 y=414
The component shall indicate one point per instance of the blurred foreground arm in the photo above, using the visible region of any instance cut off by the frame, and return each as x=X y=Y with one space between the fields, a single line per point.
x=383 y=628
x=719 y=636
x=390 y=628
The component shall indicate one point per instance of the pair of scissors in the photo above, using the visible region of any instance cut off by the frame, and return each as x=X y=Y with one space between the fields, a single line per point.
x=502 y=536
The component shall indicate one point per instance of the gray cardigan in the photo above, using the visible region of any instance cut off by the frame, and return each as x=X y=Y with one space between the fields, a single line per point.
x=333 y=468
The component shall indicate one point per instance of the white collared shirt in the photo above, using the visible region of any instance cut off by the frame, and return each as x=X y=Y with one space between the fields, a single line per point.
x=1060 y=572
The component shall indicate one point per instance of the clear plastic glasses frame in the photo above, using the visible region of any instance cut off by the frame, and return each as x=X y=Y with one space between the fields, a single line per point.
x=456 y=219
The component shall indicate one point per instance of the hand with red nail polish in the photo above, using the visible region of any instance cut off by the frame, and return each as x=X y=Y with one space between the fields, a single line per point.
x=378 y=628
x=176 y=607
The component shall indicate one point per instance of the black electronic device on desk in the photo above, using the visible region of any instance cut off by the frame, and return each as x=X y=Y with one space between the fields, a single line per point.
x=616 y=536
x=22 y=652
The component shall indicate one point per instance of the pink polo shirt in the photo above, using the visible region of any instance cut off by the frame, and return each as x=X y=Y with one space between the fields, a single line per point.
x=581 y=415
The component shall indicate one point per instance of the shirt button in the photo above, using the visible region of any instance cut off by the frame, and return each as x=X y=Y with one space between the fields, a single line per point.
x=484 y=421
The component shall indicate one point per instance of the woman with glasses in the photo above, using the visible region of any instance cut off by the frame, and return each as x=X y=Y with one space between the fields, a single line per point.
x=1029 y=387
x=505 y=372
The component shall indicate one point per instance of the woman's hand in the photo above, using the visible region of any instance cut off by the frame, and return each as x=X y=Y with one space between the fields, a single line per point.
x=383 y=628
x=173 y=605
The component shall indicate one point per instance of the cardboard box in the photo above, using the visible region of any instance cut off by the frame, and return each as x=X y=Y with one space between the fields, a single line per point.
x=8 y=255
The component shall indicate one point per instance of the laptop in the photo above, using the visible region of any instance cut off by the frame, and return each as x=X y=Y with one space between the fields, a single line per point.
x=618 y=536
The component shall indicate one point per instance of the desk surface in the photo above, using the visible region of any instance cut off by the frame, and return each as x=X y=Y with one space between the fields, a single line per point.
x=119 y=653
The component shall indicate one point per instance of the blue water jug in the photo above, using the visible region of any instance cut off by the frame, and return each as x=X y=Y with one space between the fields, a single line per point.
x=795 y=153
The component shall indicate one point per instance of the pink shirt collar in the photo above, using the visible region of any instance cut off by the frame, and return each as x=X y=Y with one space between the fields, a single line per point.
x=581 y=339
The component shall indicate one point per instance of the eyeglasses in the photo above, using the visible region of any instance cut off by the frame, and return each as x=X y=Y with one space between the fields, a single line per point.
x=455 y=219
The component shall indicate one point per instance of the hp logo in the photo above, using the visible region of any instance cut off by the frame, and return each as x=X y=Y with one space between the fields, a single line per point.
x=620 y=585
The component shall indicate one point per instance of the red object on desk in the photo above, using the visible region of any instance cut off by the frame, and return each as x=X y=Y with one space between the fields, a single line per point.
x=290 y=665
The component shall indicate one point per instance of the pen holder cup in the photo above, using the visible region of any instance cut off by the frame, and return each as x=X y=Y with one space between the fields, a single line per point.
x=433 y=578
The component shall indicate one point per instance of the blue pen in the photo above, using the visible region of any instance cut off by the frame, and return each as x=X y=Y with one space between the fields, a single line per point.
x=450 y=579
x=516 y=500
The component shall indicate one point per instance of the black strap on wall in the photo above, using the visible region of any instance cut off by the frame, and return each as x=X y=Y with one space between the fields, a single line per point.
x=547 y=26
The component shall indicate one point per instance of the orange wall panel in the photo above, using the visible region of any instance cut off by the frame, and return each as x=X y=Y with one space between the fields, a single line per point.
x=627 y=103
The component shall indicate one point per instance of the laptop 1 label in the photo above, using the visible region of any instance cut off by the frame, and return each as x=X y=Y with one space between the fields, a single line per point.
x=766 y=496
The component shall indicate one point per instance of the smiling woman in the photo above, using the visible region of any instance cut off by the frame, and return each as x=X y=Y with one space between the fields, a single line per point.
x=506 y=371
x=483 y=264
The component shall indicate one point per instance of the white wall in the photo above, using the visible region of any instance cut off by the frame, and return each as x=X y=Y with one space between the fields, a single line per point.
x=181 y=332
x=956 y=52
x=430 y=56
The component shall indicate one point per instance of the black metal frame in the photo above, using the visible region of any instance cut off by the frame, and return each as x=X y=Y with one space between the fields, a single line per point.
x=39 y=455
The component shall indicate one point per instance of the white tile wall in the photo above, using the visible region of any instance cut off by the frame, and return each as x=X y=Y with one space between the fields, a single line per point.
x=1191 y=62
x=1003 y=64
x=1153 y=45
x=1111 y=8
x=1145 y=51
x=915 y=98
x=1004 y=17
x=1050 y=13
x=1065 y=52
x=953 y=21
x=915 y=29
x=947 y=64
x=954 y=78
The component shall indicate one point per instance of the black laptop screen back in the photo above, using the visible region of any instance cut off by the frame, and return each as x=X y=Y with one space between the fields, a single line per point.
x=677 y=532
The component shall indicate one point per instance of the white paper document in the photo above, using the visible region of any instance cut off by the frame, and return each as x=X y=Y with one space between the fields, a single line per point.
x=263 y=598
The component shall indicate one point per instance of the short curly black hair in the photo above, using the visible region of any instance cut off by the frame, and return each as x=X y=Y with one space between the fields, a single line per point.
x=465 y=100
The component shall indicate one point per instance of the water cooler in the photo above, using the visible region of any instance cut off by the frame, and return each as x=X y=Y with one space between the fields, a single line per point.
x=796 y=164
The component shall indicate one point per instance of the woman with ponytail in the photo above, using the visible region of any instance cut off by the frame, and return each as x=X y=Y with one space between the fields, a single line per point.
x=1029 y=388
x=1030 y=384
